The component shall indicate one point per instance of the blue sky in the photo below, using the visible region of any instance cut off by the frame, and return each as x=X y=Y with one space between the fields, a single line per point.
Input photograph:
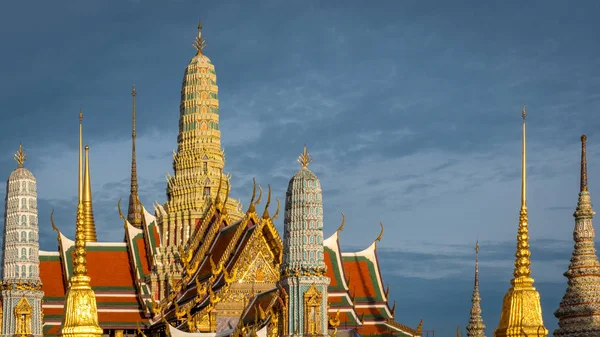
x=410 y=109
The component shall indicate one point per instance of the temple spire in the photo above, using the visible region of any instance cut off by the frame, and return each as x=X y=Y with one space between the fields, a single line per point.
x=583 y=185
x=88 y=212
x=134 y=213
x=578 y=313
x=80 y=169
x=523 y=260
x=80 y=317
x=476 y=328
x=522 y=312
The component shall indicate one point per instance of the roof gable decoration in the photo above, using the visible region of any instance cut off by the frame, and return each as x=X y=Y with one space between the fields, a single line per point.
x=333 y=243
x=256 y=261
x=370 y=254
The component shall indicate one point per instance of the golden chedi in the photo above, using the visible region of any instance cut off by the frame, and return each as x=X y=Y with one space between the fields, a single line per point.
x=521 y=311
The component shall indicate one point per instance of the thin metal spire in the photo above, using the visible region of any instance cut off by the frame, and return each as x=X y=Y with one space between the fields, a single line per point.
x=134 y=212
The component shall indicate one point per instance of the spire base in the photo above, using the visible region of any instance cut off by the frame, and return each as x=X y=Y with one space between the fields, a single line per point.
x=522 y=312
x=81 y=313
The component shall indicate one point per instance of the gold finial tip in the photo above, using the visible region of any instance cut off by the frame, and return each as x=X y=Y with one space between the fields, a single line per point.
x=304 y=159
x=80 y=115
x=20 y=156
x=524 y=112
x=583 y=138
x=87 y=147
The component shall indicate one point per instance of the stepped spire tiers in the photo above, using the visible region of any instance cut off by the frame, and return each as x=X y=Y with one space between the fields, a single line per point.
x=134 y=213
x=80 y=317
x=21 y=285
x=522 y=312
x=198 y=166
x=199 y=160
x=476 y=328
x=303 y=269
x=85 y=190
x=579 y=310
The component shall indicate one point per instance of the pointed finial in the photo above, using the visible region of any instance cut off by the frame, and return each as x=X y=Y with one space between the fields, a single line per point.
x=584 y=183
x=523 y=254
x=199 y=42
x=380 y=233
x=343 y=222
x=86 y=201
x=80 y=169
x=304 y=159
x=20 y=156
x=477 y=263
x=524 y=163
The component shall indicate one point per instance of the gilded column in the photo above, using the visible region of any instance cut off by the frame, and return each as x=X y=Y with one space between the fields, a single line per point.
x=579 y=311
x=521 y=311
x=21 y=285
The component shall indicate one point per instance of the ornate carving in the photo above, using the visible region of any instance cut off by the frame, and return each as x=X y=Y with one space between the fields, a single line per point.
x=23 y=312
x=313 y=302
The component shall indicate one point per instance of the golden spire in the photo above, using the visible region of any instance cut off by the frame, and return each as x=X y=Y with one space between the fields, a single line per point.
x=80 y=170
x=522 y=312
x=81 y=314
x=476 y=328
x=134 y=213
x=88 y=213
x=523 y=255
x=199 y=42
x=304 y=159
x=20 y=156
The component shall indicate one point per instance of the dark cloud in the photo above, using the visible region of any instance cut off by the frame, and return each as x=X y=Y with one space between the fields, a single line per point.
x=410 y=109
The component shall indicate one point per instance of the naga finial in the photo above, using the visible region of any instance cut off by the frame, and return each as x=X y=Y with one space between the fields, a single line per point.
x=343 y=222
x=276 y=215
x=380 y=233
x=266 y=212
x=259 y=195
x=304 y=159
x=121 y=213
x=54 y=226
x=251 y=207
x=20 y=156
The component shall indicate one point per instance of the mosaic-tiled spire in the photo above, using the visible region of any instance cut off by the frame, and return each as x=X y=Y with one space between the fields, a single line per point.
x=521 y=314
x=476 y=328
x=303 y=266
x=579 y=310
x=199 y=160
x=21 y=286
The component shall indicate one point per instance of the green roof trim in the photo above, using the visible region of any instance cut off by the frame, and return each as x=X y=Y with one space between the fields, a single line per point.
x=372 y=274
x=336 y=271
